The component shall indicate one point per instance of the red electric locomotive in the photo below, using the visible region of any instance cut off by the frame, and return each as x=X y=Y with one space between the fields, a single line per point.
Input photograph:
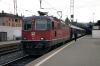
x=40 y=33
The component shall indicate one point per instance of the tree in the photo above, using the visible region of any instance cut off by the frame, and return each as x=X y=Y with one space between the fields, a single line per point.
x=67 y=20
x=98 y=22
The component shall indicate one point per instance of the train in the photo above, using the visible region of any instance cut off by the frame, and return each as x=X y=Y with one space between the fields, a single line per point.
x=41 y=33
x=80 y=32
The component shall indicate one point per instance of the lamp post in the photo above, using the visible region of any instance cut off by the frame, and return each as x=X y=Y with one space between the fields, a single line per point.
x=93 y=18
x=76 y=20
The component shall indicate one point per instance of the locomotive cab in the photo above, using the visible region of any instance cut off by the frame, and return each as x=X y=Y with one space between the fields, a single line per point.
x=36 y=29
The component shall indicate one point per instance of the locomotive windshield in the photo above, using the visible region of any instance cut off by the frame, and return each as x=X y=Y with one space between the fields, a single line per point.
x=41 y=24
x=27 y=24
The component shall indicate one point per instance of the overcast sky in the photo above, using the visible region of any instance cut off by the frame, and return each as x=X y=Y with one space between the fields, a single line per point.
x=83 y=9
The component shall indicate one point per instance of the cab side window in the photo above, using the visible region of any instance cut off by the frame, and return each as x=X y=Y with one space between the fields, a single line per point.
x=48 y=24
x=52 y=25
x=63 y=27
x=59 y=26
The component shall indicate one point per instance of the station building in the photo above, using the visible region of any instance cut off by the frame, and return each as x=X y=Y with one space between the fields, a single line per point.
x=96 y=30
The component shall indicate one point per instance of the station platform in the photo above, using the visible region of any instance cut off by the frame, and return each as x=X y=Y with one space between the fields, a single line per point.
x=6 y=43
x=84 y=52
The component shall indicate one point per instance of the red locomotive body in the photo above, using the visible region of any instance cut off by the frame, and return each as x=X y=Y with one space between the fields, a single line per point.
x=40 y=33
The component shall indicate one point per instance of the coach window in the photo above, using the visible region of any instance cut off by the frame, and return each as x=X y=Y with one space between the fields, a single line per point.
x=58 y=25
x=52 y=25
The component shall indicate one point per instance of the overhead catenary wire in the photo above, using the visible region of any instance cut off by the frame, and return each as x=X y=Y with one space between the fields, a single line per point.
x=52 y=8
x=50 y=5
x=17 y=7
x=28 y=10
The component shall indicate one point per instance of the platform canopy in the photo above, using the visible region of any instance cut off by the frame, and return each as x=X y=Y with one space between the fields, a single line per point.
x=72 y=26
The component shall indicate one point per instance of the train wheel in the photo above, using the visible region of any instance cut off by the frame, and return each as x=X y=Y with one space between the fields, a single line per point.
x=53 y=47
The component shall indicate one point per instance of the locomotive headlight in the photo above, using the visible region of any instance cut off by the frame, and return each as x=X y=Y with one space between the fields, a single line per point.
x=42 y=38
x=24 y=38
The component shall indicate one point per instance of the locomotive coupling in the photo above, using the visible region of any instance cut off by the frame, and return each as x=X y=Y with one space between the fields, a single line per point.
x=39 y=46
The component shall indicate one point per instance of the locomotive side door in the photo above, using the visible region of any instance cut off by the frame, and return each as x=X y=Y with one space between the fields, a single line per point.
x=54 y=33
x=53 y=28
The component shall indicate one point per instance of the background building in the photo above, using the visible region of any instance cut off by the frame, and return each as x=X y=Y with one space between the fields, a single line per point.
x=7 y=19
x=10 y=26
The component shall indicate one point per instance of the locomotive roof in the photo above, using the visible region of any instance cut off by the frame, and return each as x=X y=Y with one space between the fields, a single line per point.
x=72 y=26
x=44 y=17
x=34 y=17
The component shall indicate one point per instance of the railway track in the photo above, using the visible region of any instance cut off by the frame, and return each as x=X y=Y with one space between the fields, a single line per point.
x=9 y=49
x=8 y=58
x=9 y=53
x=22 y=61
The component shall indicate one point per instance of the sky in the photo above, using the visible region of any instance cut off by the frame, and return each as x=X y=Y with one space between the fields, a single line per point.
x=83 y=9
